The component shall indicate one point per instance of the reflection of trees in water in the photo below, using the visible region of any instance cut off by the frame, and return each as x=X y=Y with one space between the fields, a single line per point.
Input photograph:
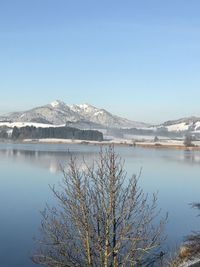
x=191 y=156
x=51 y=160
x=184 y=156
x=54 y=159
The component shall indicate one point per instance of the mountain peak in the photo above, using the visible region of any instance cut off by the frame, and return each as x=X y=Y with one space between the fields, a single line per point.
x=57 y=103
x=86 y=106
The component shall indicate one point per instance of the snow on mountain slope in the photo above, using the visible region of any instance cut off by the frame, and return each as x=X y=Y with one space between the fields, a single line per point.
x=101 y=116
x=55 y=113
x=58 y=113
x=191 y=124
x=178 y=127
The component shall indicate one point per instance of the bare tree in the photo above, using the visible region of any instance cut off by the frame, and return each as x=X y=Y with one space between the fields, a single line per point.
x=188 y=141
x=156 y=139
x=104 y=219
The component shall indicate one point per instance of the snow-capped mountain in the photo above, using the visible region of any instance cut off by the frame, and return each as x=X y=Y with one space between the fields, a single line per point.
x=103 y=117
x=59 y=113
x=55 y=113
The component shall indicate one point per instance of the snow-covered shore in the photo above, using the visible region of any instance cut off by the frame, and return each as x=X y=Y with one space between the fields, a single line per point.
x=119 y=142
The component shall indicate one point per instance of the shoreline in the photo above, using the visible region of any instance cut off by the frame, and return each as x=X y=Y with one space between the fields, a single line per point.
x=126 y=143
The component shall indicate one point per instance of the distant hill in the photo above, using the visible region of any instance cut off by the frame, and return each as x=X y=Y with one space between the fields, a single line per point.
x=190 y=124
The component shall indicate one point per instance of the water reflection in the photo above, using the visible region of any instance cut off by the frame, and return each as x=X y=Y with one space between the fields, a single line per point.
x=26 y=171
x=183 y=156
x=53 y=157
x=51 y=160
x=191 y=157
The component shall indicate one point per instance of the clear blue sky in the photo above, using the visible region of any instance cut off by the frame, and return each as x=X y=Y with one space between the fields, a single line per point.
x=138 y=59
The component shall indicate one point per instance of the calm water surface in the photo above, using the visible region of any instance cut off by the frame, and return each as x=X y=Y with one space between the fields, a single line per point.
x=27 y=170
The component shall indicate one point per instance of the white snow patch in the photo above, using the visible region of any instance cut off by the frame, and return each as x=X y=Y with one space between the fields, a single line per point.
x=24 y=124
x=98 y=113
x=57 y=103
x=177 y=127
x=197 y=125
x=84 y=106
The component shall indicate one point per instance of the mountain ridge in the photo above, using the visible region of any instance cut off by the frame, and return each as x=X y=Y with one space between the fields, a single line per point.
x=59 y=113
x=87 y=116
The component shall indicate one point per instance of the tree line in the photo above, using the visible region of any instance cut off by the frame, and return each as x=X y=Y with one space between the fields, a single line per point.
x=31 y=132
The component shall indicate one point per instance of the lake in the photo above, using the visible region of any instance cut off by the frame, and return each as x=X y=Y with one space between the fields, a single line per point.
x=27 y=170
